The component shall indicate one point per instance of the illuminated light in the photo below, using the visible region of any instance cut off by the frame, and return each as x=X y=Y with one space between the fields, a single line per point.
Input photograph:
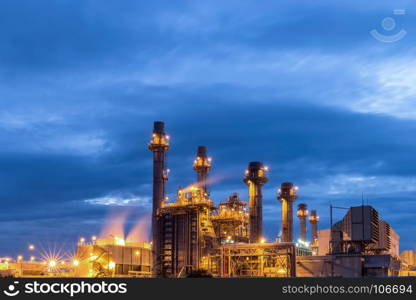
x=75 y=262
x=262 y=241
x=119 y=241
x=93 y=257
x=93 y=238
x=111 y=265
x=296 y=188
x=62 y=262
x=52 y=263
x=246 y=171
x=32 y=258
x=168 y=137
x=31 y=247
x=19 y=257
x=82 y=240
x=209 y=158
x=137 y=253
x=266 y=168
x=281 y=271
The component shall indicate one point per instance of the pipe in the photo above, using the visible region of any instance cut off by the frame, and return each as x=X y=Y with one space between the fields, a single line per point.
x=313 y=220
x=255 y=178
x=287 y=196
x=159 y=144
x=302 y=214
x=202 y=165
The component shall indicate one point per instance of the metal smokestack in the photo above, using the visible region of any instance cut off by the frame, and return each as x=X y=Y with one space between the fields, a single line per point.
x=159 y=144
x=313 y=220
x=255 y=178
x=302 y=214
x=202 y=165
x=287 y=195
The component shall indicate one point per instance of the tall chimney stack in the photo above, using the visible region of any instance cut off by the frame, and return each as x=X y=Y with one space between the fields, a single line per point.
x=255 y=178
x=159 y=144
x=302 y=214
x=287 y=195
x=202 y=165
x=313 y=220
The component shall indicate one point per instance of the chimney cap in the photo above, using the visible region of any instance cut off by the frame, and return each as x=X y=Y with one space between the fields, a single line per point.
x=255 y=165
x=159 y=127
x=302 y=206
x=202 y=151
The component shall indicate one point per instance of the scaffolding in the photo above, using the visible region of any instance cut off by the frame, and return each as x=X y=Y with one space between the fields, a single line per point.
x=253 y=260
x=231 y=221
x=186 y=232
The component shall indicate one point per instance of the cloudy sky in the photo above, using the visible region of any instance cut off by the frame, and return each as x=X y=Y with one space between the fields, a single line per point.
x=300 y=85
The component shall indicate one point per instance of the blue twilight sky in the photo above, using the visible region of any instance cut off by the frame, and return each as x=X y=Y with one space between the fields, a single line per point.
x=300 y=85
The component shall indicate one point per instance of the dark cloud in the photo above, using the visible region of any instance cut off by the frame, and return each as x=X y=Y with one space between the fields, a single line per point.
x=83 y=82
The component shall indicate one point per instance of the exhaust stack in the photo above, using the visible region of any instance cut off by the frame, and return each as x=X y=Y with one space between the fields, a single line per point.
x=287 y=195
x=159 y=144
x=302 y=214
x=313 y=220
x=255 y=178
x=202 y=165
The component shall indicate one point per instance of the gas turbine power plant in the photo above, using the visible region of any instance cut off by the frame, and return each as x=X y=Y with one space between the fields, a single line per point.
x=192 y=234
x=194 y=237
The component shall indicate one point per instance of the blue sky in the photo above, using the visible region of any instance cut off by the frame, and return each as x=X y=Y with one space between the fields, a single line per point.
x=299 y=85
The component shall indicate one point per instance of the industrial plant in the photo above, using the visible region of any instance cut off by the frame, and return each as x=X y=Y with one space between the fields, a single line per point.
x=192 y=236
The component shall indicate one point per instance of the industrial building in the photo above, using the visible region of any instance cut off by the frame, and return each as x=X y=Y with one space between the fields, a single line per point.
x=408 y=260
x=112 y=257
x=358 y=245
x=193 y=234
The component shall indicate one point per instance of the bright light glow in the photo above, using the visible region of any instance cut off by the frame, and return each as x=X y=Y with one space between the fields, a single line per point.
x=262 y=241
x=281 y=271
x=20 y=257
x=82 y=240
x=303 y=243
x=31 y=247
x=137 y=253
x=111 y=265
x=93 y=238
x=32 y=258
x=52 y=263
x=119 y=241
x=75 y=262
